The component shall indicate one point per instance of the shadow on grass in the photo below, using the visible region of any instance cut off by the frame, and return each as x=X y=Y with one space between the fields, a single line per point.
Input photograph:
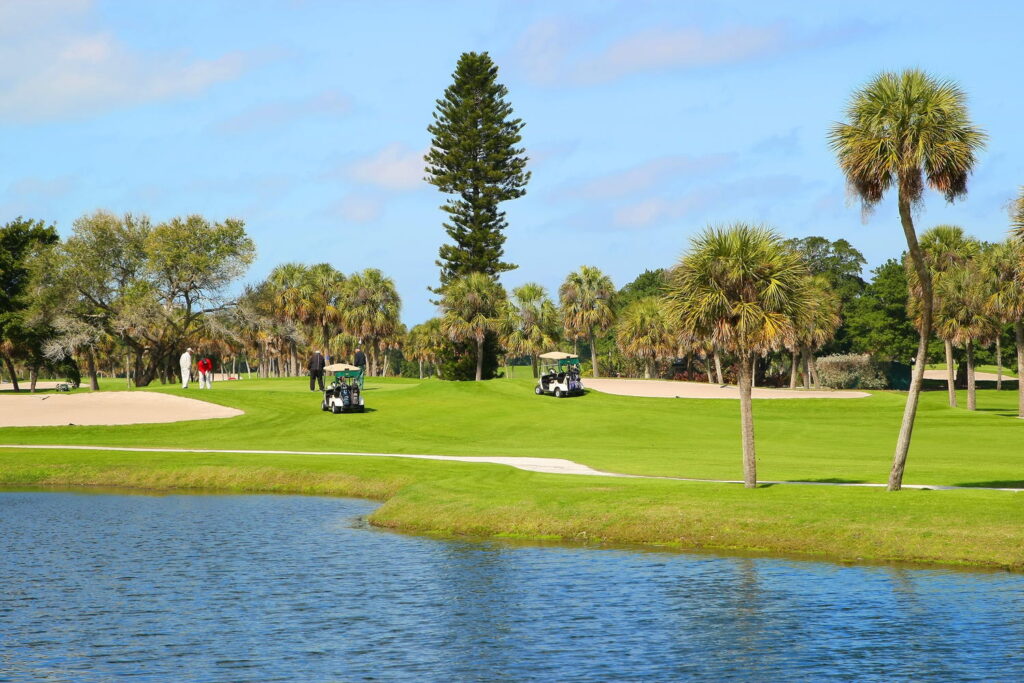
x=1006 y=484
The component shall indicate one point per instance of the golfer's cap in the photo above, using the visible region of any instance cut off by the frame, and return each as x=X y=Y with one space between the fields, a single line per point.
x=189 y=348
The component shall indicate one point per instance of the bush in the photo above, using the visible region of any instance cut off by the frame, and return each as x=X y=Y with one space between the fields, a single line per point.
x=850 y=371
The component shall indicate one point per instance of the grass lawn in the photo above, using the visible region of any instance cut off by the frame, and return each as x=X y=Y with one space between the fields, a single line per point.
x=802 y=439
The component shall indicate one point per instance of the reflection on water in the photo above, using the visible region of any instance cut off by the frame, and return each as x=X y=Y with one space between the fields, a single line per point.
x=261 y=588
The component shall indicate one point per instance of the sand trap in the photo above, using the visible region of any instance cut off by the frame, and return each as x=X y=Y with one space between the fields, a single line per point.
x=673 y=389
x=979 y=376
x=104 y=408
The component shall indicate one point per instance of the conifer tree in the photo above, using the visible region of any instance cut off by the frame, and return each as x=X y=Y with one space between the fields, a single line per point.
x=473 y=156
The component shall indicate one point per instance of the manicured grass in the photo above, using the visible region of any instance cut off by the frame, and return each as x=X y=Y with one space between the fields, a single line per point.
x=798 y=439
x=805 y=439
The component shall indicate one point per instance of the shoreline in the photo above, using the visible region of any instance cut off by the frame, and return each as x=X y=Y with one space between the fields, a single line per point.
x=437 y=501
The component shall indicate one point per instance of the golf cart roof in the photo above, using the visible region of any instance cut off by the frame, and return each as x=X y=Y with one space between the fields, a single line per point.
x=557 y=355
x=341 y=367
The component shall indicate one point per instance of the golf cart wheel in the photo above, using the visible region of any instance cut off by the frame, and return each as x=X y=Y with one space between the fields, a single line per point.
x=558 y=392
x=323 y=405
x=537 y=390
x=361 y=409
x=336 y=409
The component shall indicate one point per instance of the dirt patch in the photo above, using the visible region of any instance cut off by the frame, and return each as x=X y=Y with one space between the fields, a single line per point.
x=105 y=408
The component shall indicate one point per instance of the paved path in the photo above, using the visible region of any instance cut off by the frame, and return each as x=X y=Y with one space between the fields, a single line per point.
x=659 y=388
x=545 y=465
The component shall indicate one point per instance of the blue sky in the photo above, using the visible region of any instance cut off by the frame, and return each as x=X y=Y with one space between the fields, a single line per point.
x=646 y=121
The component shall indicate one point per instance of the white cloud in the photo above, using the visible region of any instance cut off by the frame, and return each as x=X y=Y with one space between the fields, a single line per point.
x=547 y=51
x=360 y=209
x=41 y=188
x=646 y=175
x=325 y=104
x=395 y=167
x=681 y=48
x=54 y=63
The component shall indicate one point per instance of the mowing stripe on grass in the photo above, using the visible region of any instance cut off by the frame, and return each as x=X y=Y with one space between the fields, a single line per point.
x=543 y=465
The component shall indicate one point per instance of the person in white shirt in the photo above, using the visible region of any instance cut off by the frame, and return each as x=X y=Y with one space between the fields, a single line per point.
x=185 y=362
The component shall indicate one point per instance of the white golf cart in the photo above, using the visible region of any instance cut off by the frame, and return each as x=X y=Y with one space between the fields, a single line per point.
x=560 y=375
x=345 y=393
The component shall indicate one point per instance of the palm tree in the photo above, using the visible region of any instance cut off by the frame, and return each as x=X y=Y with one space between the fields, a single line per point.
x=908 y=130
x=962 y=314
x=321 y=302
x=1004 y=264
x=643 y=331
x=742 y=288
x=372 y=307
x=586 y=307
x=425 y=342
x=529 y=323
x=1017 y=216
x=817 y=325
x=471 y=305
x=945 y=247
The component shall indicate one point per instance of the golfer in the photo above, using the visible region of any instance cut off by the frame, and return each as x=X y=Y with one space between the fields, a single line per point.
x=185 y=362
x=360 y=360
x=205 y=367
x=316 y=370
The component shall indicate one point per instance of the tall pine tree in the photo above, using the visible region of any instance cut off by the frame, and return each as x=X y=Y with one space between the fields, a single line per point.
x=474 y=156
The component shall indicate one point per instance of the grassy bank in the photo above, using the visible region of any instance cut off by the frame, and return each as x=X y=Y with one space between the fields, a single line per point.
x=798 y=439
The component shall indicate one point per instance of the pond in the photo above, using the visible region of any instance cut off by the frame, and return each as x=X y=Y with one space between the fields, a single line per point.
x=97 y=587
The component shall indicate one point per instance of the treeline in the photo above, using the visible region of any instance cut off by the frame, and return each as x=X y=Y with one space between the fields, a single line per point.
x=122 y=297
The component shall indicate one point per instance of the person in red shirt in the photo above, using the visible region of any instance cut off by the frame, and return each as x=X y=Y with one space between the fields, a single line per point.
x=205 y=367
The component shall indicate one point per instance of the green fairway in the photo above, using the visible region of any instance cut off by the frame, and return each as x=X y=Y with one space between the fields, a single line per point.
x=803 y=439
x=800 y=439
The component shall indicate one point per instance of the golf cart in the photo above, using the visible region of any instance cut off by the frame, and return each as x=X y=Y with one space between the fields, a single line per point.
x=345 y=393
x=560 y=375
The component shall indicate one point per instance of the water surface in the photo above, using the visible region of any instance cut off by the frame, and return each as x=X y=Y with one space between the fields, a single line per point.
x=289 y=588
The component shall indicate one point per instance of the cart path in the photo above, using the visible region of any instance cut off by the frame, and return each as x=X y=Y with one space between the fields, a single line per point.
x=543 y=465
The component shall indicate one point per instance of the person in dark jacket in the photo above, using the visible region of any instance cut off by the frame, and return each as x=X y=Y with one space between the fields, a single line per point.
x=360 y=360
x=316 y=370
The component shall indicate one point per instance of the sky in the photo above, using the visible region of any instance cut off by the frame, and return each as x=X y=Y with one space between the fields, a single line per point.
x=645 y=121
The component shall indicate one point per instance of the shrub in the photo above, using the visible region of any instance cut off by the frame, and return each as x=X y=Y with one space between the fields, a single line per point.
x=850 y=371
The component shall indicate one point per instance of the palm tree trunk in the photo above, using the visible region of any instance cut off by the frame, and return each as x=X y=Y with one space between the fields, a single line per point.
x=718 y=368
x=14 y=375
x=971 y=394
x=792 y=371
x=533 y=365
x=813 y=365
x=899 y=460
x=707 y=366
x=90 y=364
x=647 y=370
x=950 y=373
x=1018 y=335
x=753 y=371
x=999 y=361
x=593 y=354
x=33 y=377
x=479 y=360
x=421 y=368
x=747 y=422
x=805 y=368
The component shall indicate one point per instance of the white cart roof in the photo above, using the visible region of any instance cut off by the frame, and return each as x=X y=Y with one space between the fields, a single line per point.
x=557 y=355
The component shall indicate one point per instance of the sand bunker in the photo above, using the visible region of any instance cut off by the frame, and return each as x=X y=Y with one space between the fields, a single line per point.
x=979 y=376
x=104 y=408
x=672 y=389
